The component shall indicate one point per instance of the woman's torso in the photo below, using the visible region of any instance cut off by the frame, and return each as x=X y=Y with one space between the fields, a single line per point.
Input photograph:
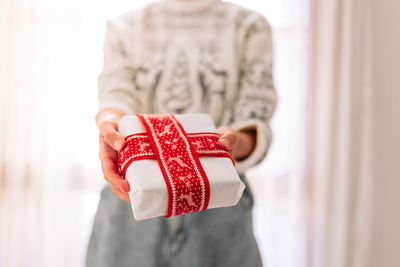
x=185 y=62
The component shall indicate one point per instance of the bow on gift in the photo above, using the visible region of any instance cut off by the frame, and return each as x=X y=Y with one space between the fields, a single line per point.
x=177 y=154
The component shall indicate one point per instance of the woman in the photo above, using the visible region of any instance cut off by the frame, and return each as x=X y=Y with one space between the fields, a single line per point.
x=184 y=56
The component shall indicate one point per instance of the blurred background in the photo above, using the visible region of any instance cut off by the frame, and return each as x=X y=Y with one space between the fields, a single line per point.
x=326 y=195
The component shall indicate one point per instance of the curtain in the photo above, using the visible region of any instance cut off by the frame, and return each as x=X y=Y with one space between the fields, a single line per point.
x=340 y=156
x=51 y=53
x=50 y=178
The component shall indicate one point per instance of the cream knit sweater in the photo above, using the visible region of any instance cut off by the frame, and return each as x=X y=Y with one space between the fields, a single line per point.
x=192 y=56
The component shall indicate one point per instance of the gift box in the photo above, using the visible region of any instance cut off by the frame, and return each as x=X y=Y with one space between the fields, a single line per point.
x=174 y=165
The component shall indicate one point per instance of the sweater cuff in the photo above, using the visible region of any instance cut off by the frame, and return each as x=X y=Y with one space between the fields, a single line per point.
x=117 y=105
x=263 y=140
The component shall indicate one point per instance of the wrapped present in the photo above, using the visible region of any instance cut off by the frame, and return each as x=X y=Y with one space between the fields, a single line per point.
x=174 y=165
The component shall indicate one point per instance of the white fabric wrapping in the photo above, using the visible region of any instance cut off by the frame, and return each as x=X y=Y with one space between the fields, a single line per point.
x=148 y=194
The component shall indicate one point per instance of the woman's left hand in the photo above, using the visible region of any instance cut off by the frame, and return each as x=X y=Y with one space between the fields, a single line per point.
x=239 y=143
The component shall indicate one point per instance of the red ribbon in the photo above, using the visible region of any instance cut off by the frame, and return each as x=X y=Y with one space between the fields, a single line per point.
x=177 y=154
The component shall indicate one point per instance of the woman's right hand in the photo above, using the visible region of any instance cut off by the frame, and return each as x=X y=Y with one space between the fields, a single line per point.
x=111 y=141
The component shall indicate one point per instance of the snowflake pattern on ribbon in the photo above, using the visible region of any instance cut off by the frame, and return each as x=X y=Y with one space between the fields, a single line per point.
x=138 y=147
x=177 y=154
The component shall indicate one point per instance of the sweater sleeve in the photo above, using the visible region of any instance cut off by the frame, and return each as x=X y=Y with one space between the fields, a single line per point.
x=256 y=99
x=116 y=88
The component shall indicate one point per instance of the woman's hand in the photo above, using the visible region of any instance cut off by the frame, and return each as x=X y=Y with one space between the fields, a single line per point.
x=111 y=141
x=239 y=143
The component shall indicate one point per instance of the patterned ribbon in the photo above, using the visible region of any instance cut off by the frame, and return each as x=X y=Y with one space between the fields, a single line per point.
x=177 y=154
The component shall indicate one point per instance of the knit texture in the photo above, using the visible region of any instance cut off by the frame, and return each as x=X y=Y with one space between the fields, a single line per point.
x=194 y=56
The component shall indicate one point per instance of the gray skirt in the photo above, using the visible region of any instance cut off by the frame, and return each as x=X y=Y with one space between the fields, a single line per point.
x=215 y=237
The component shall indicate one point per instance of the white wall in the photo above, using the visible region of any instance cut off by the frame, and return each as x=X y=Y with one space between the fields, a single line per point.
x=385 y=227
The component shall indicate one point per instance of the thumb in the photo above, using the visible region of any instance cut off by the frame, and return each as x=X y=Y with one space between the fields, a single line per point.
x=112 y=137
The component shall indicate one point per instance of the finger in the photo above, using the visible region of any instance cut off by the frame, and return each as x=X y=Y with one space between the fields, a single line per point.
x=223 y=130
x=111 y=175
x=121 y=195
x=111 y=136
x=227 y=137
x=108 y=159
x=106 y=151
x=228 y=140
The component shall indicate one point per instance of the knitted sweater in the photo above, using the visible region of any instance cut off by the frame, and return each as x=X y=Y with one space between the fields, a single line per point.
x=192 y=56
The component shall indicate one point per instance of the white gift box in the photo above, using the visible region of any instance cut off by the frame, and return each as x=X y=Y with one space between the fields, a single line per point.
x=148 y=191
